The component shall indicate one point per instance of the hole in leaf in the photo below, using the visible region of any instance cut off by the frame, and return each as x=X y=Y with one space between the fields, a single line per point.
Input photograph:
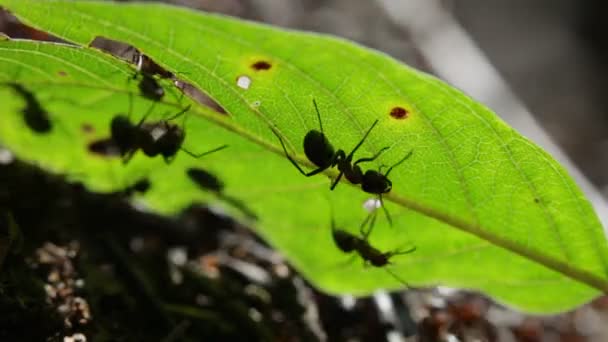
x=243 y=81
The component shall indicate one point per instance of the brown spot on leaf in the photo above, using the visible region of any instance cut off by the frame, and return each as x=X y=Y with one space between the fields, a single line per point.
x=399 y=113
x=62 y=73
x=261 y=65
x=87 y=128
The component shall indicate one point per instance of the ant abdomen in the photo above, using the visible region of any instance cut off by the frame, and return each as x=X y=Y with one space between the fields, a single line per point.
x=345 y=241
x=318 y=149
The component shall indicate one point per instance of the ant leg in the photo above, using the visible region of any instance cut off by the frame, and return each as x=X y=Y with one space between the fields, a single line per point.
x=350 y=155
x=312 y=173
x=386 y=213
x=335 y=182
x=370 y=218
x=143 y=118
x=337 y=159
x=127 y=156
x=204 y=153
x=394 y=275
x=130 y=105
x=399 y=162
x=372 y=158
x=180 y=113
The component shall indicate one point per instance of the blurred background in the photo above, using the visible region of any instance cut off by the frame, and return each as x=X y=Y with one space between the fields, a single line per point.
x=539 y=62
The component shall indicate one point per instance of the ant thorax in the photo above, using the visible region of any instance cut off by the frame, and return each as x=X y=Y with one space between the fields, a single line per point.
x=318 y=149
x=156 y=130
x=345 y=241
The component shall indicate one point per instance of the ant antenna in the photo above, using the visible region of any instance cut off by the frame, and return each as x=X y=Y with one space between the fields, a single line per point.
x=350 y=155
x=399 y=162
x=180 y=113
x=318 y=114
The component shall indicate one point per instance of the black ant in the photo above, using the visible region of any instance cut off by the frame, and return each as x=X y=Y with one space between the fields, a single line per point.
x=349 y=243
x=210 y=182
x=169 y=140
x=125 y=137
x=320 y=152
x=159 y=138
x=36 y=118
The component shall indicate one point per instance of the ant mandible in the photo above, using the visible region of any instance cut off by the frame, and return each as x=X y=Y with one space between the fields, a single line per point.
x=370 y=255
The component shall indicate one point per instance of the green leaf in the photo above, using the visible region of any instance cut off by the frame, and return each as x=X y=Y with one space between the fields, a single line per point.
x=486 y=208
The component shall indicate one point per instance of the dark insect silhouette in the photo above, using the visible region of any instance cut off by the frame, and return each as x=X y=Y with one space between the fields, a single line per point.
x=125 y=138
x=146 y=69
x=141 y=186
x=210 y=182
x=149 y=87
x=153 y=138
x=376 y=182
x=35 y=117
x=349 y=243
x=320 y=152
x=166 y=139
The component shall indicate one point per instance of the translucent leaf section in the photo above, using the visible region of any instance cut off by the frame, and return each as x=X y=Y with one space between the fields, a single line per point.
x=486 y=208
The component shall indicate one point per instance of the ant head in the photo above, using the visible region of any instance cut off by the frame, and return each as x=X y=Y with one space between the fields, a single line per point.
x=318 y=149
x=344 y=240
x=170 y=142
x=380 y=259
x=376 y=183
x=149 y=88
